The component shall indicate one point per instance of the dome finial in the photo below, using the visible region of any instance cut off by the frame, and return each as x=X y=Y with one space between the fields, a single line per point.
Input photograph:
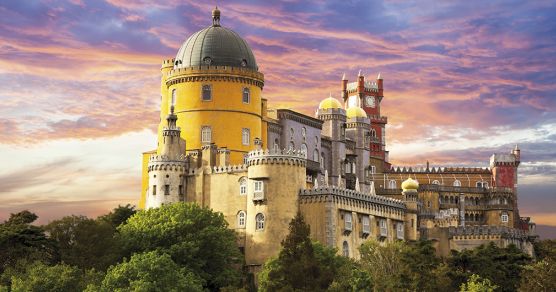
x=216 y=16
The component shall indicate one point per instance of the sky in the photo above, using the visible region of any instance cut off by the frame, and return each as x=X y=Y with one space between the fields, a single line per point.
x=80 y=86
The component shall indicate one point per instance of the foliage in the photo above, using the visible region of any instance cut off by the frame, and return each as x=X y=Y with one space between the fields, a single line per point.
x=148 y=272
x=119 y=215
x=419 y=263
x=84 y=242
x=501 y=265
x=540 y=276
x=195 y=237
x=21 y=241
x=40 y=277
x=383 y=264
x=545 y=249
x=477 y=284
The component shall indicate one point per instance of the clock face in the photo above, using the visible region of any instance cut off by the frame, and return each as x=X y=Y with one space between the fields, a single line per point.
x=370 y=100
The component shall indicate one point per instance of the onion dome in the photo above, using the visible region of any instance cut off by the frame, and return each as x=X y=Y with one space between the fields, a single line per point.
x=410 y=185
x=215 y=46
x=355 y=112
x=330 y=103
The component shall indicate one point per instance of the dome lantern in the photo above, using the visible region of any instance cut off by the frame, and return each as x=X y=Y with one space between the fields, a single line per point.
x=410 y=185
x=216 y=17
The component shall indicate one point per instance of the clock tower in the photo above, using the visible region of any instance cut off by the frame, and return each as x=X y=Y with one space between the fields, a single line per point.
x=368 y=94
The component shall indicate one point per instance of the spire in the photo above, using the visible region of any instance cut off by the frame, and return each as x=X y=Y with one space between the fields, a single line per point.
x=379 y=77
x=344 y=77
x=357 y=186
x=171 y=119
x=516 y=147
x=359 y=73
x=216 y=17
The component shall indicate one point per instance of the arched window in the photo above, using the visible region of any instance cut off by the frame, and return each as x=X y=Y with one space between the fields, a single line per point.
x=345 y=249
x=322 y=162
x=303 y=132
x=373 y=133
x=291 y=133
x=245 y=133
x=276 y=145
x=207 y=92
x=457 y=183
x=316 y=155
x=435 y=182
x=206 y=134
x=316 y=141
x=241 y=219
x=243 y=186
x=246 y=95
x=304 y=149
x=348 y=223
x=292 y=146
x=392 y=184
x=259 y=221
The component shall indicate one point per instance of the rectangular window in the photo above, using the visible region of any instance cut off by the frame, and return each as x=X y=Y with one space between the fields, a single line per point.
x=154 y=190
x=207 y=92
x=245 y=136
x=348 y=222
x=166 y=190
x=258 y=186
x=246 y=95
x=181 y=190
x=400 y=231
x=206 y=134
x=383 y=227
x=505 y=218
x=366 y=224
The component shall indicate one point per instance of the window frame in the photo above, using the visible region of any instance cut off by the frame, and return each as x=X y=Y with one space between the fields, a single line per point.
x=258 y=186
x=348 y=221
x=245 y=136
x=203 y=134
x=392 y=184
x=366 y=224
x=241 y=218
x=456 y=183
x=243 y=92
x=506 y=216
x=345 y=249
x=259 y=222
x=243 y=186
x=209 y=86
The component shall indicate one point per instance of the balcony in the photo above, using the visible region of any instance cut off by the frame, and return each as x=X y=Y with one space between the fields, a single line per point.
x=313 y=166
x=385 y=192
x=451 y=189
x=258 y=196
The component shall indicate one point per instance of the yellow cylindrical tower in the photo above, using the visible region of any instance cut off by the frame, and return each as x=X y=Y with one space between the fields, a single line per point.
x=215 y=86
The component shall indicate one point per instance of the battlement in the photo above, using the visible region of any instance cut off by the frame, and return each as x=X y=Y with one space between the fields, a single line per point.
x=230 y=168
x=503 y=160
x=486 y=232
x=165 y=158
x=213 y=72
x=468 y=170
x=378 y=119
x=168 y=63
x=351 y=194
x=277 y=156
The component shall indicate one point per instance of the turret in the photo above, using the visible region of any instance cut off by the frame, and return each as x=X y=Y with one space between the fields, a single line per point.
x=334 y=116
x=410 y=197
x=380 y=85
x=171 y=144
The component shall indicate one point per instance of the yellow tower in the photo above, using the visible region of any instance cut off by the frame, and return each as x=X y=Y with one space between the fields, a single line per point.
x=215 y=86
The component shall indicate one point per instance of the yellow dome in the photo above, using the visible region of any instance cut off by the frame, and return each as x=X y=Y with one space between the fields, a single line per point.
x=330 y=103
x=356 y=112
x=410 y=184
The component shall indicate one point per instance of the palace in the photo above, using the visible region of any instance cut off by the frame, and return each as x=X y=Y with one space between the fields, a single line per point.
x=219 y=145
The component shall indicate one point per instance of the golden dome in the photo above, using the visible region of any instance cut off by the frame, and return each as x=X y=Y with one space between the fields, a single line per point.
x=330 y=103
x=410 y=184
x=356 y=112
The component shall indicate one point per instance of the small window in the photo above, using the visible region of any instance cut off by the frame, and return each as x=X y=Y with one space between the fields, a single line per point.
x=457 y=183
x=245 y=158
x=166 y=190
x=291 y=133
x=206 y=134
x=303 y=132
x=435 y=182
x=259 y=222
x=180 y=190
x=348 y=222
x=246 y=95
x=245 y=134
x=304 y=150
x=373 y=133
x=243 y=186
x=276 y=145
x=258 y=186
x=322 y=161
x=505 y=218
x=383 y=227
x=241 y=219
x=345 y=249
x=366 y=224
x=292 y=146
x=400 y=231
x=154 y=190
x=373 y=169
x=316 y=155
x=207 y=92
x=392 y=184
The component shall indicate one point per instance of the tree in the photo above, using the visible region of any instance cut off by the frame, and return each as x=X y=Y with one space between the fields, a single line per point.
x=84 y=242
x=419 y=266
x=501 y=265
x=195 y=238
x=384 y=264
x=119 y=215
x=540 y=276
x=545 y=249
x=21 y=241
x=477 y=284
x=146 y=272
x=40 y=277
x=303 y=265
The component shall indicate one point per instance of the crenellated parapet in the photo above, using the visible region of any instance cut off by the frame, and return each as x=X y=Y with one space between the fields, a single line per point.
x=230 y=168
x=352 y=195
x=467 y=170
x=215 y=73
x=277 y=156
x=486 y=232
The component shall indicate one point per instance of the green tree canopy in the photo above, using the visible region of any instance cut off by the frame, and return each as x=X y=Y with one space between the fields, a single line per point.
x=477 y=284
x=539 y=276
x=40 y=277
x=195 y=237
x=84 y=242
x=149 y=272
x=119 y=215
x=21 y=241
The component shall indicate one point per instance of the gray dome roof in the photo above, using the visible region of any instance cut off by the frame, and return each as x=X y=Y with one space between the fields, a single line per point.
x=215 y=46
